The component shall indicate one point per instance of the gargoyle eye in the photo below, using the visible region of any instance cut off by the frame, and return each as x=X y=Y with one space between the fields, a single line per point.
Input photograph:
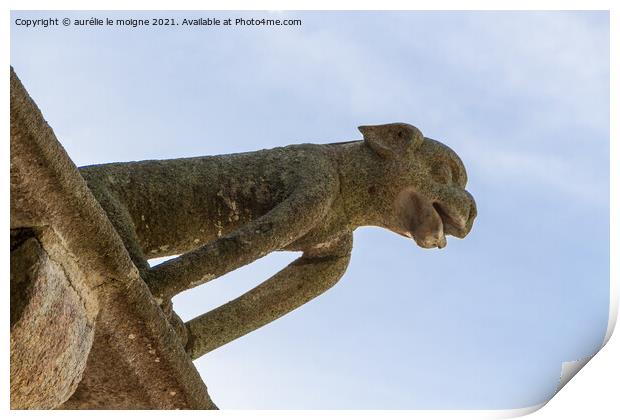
x=443 y=174
x=458 y=175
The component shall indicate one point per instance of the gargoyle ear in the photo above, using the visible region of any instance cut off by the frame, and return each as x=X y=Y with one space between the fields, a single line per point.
x=391 y=140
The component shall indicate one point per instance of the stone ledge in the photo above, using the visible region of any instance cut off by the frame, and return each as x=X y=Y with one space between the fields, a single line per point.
x=136 y=359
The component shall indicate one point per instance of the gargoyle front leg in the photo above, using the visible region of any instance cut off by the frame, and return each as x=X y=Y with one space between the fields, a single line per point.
x=304 y=279
x=274 y=230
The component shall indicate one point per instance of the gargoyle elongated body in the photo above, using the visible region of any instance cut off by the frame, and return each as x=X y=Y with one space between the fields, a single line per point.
x=223 y=212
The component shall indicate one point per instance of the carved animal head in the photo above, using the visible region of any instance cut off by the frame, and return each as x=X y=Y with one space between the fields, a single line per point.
x=424 y=185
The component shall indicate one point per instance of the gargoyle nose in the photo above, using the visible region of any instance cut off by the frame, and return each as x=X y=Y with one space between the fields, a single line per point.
x=473 y=212
x=463 y=218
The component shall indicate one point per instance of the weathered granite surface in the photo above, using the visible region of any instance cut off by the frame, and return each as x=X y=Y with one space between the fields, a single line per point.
x=52 y=321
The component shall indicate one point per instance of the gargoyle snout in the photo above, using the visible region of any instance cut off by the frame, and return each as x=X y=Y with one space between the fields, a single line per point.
x=473 y=212
x=458 y=215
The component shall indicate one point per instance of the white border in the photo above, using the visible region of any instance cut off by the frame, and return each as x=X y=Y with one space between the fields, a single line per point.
x=595 y=387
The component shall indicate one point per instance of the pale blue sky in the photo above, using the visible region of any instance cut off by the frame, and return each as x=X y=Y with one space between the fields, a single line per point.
x=523 y=97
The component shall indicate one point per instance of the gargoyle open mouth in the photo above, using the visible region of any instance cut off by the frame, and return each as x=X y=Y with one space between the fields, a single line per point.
x=451 y=226
x=428 y=222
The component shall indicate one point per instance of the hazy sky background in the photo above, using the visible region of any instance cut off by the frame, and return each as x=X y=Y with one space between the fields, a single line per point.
x=522 y=97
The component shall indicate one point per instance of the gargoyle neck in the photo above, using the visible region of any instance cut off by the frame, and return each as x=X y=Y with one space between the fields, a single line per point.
x=364 y=186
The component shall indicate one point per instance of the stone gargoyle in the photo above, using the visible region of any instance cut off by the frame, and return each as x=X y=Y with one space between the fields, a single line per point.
x=222 y=212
